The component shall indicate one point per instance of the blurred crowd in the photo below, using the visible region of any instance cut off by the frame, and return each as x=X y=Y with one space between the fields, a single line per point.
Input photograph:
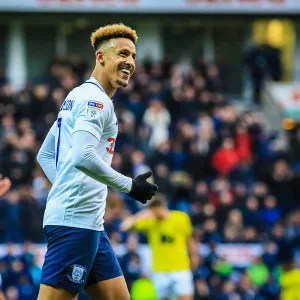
x=211 y=158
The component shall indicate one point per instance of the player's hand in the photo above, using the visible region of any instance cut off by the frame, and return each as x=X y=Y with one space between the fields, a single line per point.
x=141 y=189
x=194 y=262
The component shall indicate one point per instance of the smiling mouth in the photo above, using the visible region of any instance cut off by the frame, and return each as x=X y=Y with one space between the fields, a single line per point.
x=125 y=71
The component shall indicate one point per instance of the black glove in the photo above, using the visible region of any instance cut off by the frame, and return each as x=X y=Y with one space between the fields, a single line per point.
x=141 y=189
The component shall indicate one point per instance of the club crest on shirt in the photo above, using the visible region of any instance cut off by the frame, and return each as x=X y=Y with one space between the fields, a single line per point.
x=77 y=274
x=94 y=109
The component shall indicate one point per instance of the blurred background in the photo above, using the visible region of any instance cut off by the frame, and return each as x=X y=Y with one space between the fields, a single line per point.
x=213 y=109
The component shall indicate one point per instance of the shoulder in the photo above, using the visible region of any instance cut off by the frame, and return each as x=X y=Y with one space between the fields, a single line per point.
x=144 y=224
x=92 y=97
x=92 y=92
x=179 y=215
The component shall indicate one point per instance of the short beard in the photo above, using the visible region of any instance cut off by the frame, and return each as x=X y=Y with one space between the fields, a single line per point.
x=121 y=83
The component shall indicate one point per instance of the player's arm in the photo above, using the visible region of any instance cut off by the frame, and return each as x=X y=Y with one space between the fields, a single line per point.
x=190 y=241
x=91 y=119
x=130 y=222
x=46 y=154
x=86 y=159
x=192 y=250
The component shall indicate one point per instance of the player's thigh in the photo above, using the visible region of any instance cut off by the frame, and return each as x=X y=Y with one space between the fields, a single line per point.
x=162 y=285
x=48 y=292
x=183 y=284
x=67 y=264
x=105 y=273
x=110 y=289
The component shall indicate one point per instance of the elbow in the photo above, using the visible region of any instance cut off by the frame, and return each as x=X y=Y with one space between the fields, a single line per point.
x=81 y=158
x=78 y=161
x=39 y=158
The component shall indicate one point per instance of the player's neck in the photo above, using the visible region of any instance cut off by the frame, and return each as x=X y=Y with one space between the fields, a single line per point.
x=104 y=82
x=166 y=214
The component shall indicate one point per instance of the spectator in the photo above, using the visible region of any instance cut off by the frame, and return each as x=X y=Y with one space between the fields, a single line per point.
x=257 y=64
x=250 y=235
x=161 y=175
x=243 y=143
x=270 y=255
x=226 y=158
x=138 y=163
x=281 y=185
x=251 y=213
x=234 y=224
x=258 y=272
x=228 y=291
x=35 y=272
x=158 y=119
x=26 y=289
x=223 y=268
x=211 y=233
x=202 y=290
x=12 y=222
x=143 y=289
x=271 y=212
x=131 y=261
x=12 y=293
x=244 y=289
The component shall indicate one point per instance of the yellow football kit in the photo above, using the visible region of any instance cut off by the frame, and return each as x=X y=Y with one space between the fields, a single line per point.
x=290 y=285
x=167 y=239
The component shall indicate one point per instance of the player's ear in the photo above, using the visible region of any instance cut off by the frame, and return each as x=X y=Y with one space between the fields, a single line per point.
x=100 y=57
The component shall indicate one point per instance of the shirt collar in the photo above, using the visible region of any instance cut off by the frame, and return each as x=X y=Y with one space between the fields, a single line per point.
x=95 y=81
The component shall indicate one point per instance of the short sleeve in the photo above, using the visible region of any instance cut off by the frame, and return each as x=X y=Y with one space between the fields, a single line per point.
x=91 y=116
x=186 y=225
x=144 y=225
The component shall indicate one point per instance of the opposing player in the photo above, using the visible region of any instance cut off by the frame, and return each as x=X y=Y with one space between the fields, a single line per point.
x=76 y=157
x=173 y=248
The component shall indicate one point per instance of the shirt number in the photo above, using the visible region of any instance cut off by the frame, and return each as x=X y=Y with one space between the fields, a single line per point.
x=110 y=149
x=58 y=139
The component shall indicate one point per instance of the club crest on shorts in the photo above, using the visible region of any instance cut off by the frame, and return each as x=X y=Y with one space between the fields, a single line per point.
x=77 y=274
x=94 y=109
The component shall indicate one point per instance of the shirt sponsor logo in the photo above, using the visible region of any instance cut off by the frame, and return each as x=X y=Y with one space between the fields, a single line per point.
x=95 y=104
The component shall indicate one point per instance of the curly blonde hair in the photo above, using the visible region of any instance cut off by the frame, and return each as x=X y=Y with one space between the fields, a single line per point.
x=112 y=31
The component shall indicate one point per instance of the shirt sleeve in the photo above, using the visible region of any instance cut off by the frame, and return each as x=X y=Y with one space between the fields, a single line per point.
x=144 y=225
x=46 y=154
x=186 y=225
x=91 y=116
x=86 y=159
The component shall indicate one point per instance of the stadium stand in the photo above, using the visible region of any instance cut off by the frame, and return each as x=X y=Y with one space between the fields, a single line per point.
x=238 y=182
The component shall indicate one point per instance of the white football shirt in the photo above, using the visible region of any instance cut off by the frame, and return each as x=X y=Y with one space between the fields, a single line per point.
x=75 y=199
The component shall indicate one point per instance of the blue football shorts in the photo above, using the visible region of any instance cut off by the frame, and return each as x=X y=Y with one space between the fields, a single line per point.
x=78 y=257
